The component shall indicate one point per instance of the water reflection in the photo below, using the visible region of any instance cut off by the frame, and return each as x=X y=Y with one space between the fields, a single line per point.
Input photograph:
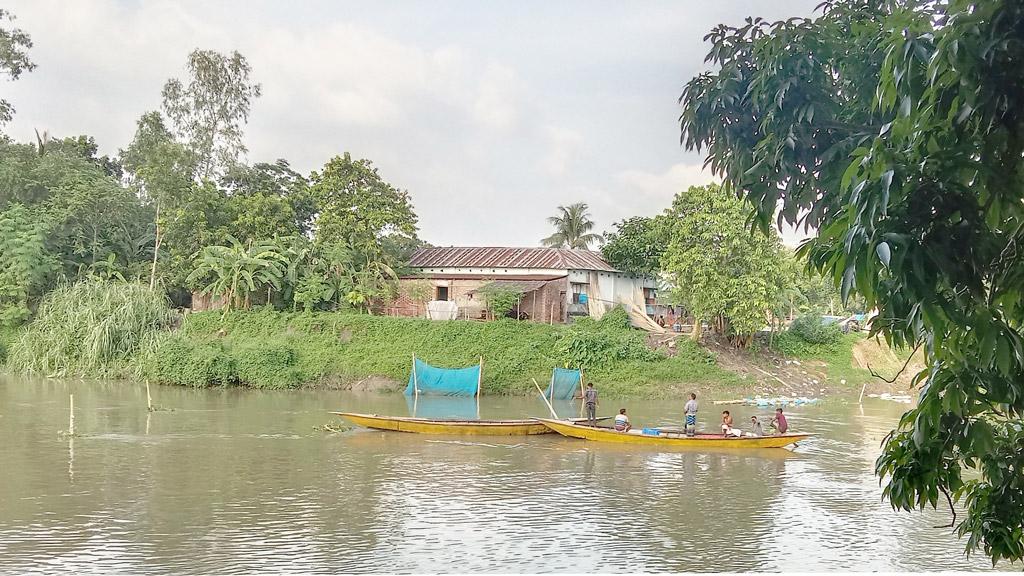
x=443 y=407
x=237 y=481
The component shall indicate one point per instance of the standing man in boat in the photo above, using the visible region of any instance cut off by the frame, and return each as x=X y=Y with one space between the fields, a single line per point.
x=691 y=415
x=589 y=397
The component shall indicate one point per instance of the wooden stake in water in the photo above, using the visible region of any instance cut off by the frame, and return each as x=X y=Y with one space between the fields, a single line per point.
x=861 y=399
x=71 y=419
x=149 y=398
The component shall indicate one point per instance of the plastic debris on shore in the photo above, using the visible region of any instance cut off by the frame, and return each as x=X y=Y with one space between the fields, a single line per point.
x=901 y=398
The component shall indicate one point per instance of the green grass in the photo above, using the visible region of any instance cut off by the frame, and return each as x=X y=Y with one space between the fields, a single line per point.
x=267 y=349
x=8 y=334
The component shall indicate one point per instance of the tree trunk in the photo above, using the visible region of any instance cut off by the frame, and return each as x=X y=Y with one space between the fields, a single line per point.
x=695 y=334
x=156 y=247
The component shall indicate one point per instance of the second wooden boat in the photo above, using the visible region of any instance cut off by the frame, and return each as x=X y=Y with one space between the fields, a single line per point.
x=525 y=427
x=636 y=436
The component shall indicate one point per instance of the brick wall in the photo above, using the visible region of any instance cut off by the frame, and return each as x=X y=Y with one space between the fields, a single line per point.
x=546 y=302
x=540 y=305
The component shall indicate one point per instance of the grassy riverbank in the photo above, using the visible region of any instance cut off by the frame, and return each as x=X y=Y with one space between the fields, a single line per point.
x=267 y=349
x=92 y=330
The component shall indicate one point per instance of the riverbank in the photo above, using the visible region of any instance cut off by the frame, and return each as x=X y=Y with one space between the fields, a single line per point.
x=268 y=349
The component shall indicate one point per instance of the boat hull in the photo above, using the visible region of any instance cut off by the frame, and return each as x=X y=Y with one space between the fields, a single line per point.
x=669 y=439
x=448 y=427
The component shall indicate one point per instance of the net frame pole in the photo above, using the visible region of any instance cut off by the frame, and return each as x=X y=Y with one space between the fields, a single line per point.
x=480 y=377
x=545 y=399
x=582 y=393
x=415 y=378
x=551 y=387
x=479 y=385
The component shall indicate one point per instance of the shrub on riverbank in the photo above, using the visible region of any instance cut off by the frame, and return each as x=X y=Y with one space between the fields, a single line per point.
x=91 y=328
x=268 y=349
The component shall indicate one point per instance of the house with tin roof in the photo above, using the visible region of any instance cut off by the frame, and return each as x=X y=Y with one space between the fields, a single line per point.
x=554 y=284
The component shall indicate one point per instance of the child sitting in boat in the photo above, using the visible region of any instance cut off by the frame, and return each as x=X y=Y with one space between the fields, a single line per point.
x=755 y=427
x=779 y=422
x=622 y=421
x=727 y=428
x=726 y=422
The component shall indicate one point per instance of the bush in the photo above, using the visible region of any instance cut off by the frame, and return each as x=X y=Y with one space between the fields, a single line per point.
x=590 y=344
x=91 y=328
x=811 y=329
x=205 y=363
x=269 y=365
x=196 y=364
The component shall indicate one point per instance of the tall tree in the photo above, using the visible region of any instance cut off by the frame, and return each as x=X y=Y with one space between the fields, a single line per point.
x=355 y=205
x=636 y=245
x=267 y=200
x=162 y=170
x=209 y=110
x=896 y=130
x=721 y=273
x=572 y=228
x=14 y=60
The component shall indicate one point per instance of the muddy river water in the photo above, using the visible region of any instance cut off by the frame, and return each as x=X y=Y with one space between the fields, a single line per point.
x=235 y=481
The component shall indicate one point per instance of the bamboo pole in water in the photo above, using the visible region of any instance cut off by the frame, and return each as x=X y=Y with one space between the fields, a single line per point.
x=71 y=418
x=149 y=398
x=545 y=399
x=861 y=399
x=582 y=393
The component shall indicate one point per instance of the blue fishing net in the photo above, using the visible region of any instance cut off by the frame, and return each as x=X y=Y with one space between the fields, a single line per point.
x=565 y=384
x=443 y=381
x=442 y=407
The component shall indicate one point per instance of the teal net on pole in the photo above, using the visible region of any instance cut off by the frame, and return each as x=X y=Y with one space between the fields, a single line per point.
x=565 y=384
x=433 y=381
x=443 y=407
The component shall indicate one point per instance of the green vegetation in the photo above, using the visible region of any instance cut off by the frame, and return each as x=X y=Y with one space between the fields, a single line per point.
x=724 y=275
x=637 y=244
x=268 y=349
x=91 y=328
x=895 y=130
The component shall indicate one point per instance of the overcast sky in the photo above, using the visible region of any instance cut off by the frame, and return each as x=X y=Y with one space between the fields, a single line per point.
x=490 y=114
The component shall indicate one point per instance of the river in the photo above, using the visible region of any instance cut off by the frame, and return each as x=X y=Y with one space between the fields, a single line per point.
x=236 y=481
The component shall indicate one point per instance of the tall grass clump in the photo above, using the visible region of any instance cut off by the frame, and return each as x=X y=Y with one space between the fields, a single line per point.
x=91 y=328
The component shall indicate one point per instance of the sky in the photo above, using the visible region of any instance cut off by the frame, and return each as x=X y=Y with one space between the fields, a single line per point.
x=490 y=114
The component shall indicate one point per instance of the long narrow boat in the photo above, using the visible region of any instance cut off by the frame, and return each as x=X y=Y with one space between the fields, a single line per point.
x=524 y=427
x=669 y=438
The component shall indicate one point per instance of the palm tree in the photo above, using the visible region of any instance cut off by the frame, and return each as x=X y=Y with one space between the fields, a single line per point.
x=572 y=228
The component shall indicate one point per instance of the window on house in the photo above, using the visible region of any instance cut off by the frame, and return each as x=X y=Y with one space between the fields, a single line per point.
x=442 y=293
x=579 y=292
x=649 y=296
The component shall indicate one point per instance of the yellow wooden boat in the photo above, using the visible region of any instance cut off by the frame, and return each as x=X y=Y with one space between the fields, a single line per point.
x=525 y=427
x=670 y=438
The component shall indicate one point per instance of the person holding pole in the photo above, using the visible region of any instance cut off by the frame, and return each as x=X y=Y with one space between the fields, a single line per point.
x=589 y=397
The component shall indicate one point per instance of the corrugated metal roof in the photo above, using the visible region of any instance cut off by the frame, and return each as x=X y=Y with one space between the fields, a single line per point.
x=546 y=258
x=522 y=286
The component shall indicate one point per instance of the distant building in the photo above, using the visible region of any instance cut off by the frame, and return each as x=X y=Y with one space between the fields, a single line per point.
x=556 y=284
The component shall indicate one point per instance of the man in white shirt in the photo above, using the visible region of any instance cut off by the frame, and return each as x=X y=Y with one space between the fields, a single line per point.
x=622 y=421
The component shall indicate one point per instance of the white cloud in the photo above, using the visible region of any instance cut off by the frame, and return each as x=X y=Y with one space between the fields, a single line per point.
x=488 y=114
x=649 y=193
x=563 y=146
